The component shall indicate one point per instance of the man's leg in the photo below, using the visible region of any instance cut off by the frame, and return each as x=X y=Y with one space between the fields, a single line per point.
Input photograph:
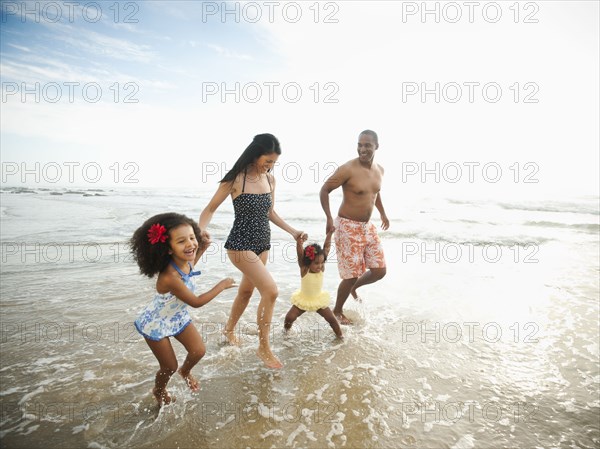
x=368 y=277
x=374 y=260
x=342 y=295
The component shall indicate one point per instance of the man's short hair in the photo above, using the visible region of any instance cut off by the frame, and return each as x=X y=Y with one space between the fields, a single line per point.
x=373 y=134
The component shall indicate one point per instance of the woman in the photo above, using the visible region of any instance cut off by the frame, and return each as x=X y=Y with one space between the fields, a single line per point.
x=252 y=190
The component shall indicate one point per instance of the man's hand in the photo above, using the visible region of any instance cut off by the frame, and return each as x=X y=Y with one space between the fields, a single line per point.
x=385 y=223
x=329 y=228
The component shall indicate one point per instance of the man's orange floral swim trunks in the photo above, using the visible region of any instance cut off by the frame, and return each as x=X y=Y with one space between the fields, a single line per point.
x=358 y=247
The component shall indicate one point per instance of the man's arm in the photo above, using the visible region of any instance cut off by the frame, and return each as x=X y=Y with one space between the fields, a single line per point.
x=385 y=223
x=338 y=178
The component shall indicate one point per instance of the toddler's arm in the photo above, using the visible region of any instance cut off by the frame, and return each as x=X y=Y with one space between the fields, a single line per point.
x=300 y=252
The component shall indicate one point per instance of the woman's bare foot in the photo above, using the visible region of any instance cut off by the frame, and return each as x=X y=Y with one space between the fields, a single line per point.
x=162 y=397
x=343 y=319
x=190 y=380
x=232 y=338
x=269 y=359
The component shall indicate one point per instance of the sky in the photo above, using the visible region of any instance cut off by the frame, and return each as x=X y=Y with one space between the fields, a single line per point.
x=468 y=98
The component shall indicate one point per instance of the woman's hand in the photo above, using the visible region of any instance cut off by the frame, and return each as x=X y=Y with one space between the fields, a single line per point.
x=300 y=236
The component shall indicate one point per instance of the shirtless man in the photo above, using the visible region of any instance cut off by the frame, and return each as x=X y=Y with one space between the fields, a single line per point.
x=357 y=244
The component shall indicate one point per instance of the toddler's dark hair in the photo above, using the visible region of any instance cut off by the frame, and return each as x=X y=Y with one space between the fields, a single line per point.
x=318 y=251
x=154 y=258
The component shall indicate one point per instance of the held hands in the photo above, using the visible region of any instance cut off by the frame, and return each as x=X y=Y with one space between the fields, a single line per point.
x=205 y=236
x=300 y=236
x=329 y=228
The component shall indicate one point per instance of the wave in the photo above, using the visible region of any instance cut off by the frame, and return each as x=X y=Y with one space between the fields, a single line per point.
x=588 y=227
x=556 y=206
x=445 y=239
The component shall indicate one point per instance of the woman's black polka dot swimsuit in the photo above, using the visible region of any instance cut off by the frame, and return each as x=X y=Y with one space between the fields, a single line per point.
x=251 y=230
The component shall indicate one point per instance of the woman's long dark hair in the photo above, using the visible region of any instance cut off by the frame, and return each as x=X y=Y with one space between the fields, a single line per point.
x=261 y=144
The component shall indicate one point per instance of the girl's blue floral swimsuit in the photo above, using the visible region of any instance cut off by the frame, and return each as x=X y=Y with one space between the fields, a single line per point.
x=166 y=315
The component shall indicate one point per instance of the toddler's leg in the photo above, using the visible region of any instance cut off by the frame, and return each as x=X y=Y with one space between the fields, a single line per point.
x=292 y=316
x=163 y=351
x=192 y=341
x=333 y=322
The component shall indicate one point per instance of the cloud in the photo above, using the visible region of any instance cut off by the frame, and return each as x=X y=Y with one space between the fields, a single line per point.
x=228 y=53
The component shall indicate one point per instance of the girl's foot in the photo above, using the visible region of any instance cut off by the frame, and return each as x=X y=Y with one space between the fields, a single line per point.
x=162 y=397
x=231 y=338
x=190 y=380
x=269 y=359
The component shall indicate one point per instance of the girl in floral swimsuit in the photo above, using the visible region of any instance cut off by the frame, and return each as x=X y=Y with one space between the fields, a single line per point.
x=170 y=245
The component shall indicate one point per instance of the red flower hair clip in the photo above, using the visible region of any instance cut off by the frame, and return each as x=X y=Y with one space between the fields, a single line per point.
x=157 y=233
x=310 y=252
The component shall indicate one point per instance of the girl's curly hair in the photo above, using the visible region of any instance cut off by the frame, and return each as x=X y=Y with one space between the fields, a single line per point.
x=316 y=251
x=154 y=258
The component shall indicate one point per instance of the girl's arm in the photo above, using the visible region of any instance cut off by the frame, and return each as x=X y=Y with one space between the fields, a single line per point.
x=300 y=253
x=222 y=192
x=278 y=221
x=176 y=286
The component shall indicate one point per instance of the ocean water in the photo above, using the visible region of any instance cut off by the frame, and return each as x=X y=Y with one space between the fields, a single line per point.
x=484 y=333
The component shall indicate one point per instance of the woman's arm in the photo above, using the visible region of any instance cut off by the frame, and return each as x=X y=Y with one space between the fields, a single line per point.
x=222 y=192
x=202 y=246
x=280 y=222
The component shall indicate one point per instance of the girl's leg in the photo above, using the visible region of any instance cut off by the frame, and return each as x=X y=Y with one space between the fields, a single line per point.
x=333 y=322
x=163 y=351
x=291 y=316
x=192 y=341
x=254 y=269
x=237 y=309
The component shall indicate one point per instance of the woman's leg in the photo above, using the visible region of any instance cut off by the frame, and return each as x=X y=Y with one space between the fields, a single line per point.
x=254 y=269
x=237 y=308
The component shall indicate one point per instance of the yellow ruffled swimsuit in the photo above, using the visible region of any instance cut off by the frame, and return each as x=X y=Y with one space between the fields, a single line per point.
x=311 y=297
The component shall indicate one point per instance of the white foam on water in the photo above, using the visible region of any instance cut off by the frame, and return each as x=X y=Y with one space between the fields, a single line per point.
x=337 y=429
x=12 y=390
x=31 y=429
x=272 y=432
x=28 y=396
x=89 y=375
x=465 y=442
x=80 y=428
x=229 y=419
x=301 y=428
x=318 y=394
